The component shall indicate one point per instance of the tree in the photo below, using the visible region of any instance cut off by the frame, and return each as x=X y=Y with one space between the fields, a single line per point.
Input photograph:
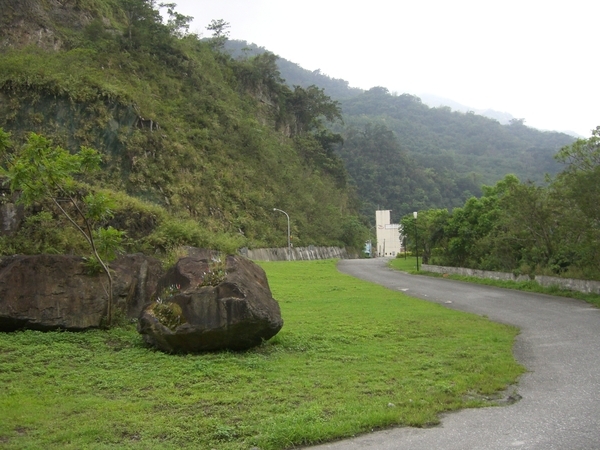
x=178 y=24
x=578 y=189
x=146 y=32
x=41 y=172
x=220 y=33
x=310 y=106
x=430 y=230
x=472 y=230
x=583 y=154
x=580 y=179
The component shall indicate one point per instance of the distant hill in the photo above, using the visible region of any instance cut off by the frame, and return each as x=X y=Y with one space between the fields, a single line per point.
x=435 y=101
x=436 y=157
x=403 y=154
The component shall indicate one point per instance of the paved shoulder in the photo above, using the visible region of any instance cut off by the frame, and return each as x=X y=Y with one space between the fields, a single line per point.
x=559 y=344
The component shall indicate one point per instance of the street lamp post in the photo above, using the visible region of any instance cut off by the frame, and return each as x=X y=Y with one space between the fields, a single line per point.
x=288 y=234
x=416 y=239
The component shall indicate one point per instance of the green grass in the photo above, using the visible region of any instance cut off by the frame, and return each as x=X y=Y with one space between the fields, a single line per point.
x=410 y=266
x=351 y=357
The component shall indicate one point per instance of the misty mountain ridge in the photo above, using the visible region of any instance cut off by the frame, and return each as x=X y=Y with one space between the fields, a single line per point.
x=435 y=101
x=340 y=89
x=402 y=153
x=504 y=118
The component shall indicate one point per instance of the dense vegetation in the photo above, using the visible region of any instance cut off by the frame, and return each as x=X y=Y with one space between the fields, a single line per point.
x=201 y=139
x=441 y=157
x=198 y=148
x=523 y=228
x=403 y=155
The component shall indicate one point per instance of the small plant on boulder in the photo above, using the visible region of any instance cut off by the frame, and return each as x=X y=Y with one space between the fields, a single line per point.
x=168 y=313
x=216 y=273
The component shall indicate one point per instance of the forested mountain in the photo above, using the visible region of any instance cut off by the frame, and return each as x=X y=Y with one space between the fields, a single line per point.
x=450 y=154
x=200 y=142
x=198 y=148
x=403 y=155
x=522 y=228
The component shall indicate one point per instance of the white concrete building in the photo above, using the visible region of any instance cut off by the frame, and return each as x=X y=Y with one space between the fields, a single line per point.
x=389 y=239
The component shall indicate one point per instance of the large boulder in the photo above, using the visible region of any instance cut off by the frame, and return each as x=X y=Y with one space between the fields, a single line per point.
x=48 y=292
x=135 y=278
x=205 y=304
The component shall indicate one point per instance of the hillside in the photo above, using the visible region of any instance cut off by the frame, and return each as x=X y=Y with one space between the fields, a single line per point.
x=441 y=157
x=404 y=155
x=210 y=141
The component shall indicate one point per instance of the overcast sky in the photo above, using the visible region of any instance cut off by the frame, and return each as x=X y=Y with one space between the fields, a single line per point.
x=537 y=60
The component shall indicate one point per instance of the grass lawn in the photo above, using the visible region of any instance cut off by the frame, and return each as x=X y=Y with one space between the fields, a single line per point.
x=351 y=357
x=410 y=265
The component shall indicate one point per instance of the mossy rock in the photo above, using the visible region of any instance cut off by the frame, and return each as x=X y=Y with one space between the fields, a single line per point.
x=168 y=314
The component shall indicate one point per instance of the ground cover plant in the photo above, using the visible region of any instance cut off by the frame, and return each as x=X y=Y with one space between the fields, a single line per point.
x=410 y=265
x=351 y=357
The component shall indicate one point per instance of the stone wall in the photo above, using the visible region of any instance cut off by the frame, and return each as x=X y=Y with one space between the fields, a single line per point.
x=585 y=286
x=297 y=253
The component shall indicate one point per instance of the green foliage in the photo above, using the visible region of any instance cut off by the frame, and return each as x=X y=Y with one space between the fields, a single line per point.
x=404 y=156
x=221 y=141
x=354 y=232
x=203 y=136
x=173 y=233
x=524 y=228
x=429 y=228
x=457 y=144
x=220 y=33
x=168 y=314
x=108 y=242
x=293 y=74
x=347 y=351
x=216 y=273
x=387 y=176
x=40 y=172
x=44 y=232
x=583 y=154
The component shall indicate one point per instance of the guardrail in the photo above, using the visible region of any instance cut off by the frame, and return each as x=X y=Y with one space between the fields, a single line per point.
x=586 y=286
x=297 y=253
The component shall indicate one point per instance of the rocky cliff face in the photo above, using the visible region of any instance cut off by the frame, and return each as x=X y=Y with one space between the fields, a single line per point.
x=33 y=22
x=49 y=292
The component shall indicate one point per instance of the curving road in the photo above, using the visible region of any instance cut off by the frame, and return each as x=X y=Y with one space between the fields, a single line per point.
x=559 y=344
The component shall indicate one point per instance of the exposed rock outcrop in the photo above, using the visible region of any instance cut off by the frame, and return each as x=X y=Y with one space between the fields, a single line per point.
x=48 y=292
x=205 y=304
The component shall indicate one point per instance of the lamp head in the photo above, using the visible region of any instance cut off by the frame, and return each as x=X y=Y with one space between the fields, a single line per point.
x=415 y=214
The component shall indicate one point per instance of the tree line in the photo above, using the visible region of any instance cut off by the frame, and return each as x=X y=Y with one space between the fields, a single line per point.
x=522 y=227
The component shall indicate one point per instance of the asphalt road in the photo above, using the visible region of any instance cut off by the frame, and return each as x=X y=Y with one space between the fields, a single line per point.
x=559 y=345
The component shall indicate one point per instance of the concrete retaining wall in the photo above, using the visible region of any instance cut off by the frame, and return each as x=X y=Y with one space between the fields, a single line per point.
x=297 y=253
x=585 y=286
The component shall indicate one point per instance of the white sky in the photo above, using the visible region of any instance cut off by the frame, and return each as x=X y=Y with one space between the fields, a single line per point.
x=534 y=59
